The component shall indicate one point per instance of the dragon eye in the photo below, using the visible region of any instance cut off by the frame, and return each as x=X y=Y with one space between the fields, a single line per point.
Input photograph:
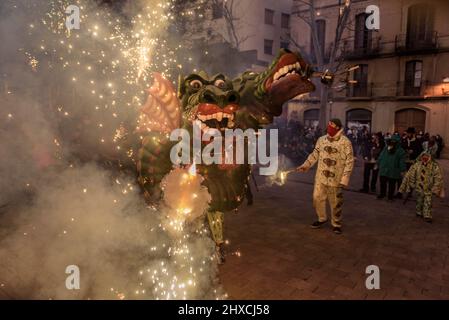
x=220 y=83
x=196 y=84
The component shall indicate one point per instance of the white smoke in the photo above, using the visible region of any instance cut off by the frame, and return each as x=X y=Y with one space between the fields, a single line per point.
x=61 y=204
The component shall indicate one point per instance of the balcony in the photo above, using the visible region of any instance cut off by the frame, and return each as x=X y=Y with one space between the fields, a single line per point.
x=427 y=89
x=351 y=51
x=406 y=44
x=397 y=90
x=359 y=90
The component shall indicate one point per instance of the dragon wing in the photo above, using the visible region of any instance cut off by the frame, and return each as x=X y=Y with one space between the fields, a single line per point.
x=161 y=112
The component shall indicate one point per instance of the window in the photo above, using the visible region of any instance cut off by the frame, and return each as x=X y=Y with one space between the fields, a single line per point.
x=217 y=9
x=269 y=16
x=268 y=46
x=284 y=44
x=285 y=21
x=311 y=118
x=420 y=20
x=413 y=78
x=321 y=34
x=363 y=36
x=360 y=88
x=359 y=118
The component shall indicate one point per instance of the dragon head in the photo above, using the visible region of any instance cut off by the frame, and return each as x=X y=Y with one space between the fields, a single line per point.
x=264 y=93
x=287 y=77
x=211 y=100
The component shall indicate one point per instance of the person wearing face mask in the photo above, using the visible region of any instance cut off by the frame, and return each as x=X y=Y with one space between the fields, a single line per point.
x=392 y=166
x=334 y=155
x=431 y=146
x=425 y=177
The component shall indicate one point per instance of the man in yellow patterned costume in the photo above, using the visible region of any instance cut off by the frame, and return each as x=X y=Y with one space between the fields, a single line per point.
x=335 y=158
x=425 y=177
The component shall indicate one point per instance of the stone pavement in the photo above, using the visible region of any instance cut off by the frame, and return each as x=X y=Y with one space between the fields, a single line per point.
x=274 y=254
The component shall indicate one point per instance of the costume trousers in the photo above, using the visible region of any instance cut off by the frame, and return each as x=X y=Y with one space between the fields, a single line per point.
x=334 y=195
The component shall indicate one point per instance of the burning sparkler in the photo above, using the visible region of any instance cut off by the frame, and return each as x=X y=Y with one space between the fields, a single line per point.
x=280 y=178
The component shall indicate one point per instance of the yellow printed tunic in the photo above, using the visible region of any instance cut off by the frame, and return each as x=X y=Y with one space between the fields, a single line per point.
x=335 y=160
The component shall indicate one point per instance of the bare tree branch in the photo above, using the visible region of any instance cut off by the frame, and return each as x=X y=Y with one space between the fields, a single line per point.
x=304 y=2
x=228 y=8
x=307 y=21
x=335 y=48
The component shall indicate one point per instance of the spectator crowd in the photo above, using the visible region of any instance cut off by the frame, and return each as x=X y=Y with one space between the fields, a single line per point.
x=386 y=156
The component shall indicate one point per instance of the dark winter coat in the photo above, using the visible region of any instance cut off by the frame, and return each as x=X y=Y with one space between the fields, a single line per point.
x=392 y=164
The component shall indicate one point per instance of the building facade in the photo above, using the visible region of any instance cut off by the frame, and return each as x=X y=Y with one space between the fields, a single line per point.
x=259 y=26
x=402 y=78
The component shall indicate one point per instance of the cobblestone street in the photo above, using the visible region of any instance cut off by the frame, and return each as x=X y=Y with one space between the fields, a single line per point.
x=274 y=254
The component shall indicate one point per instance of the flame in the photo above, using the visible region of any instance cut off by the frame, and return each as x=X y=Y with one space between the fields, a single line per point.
x=192 y=169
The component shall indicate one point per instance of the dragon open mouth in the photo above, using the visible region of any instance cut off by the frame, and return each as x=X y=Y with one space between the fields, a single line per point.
x=212 y=116
x=286 y=71
x=289 y=78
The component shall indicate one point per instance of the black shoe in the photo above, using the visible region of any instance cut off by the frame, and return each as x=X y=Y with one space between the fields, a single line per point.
x=390 y=199
x=337 y=230
x=317 y=224
x=249 y=202
x=419 y=215
x=428 y=220
x=363 y=190
x=398 y=195
x=373 y=190
x=380 y=197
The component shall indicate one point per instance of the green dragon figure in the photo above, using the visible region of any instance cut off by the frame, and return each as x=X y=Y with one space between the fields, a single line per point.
x=249 y=101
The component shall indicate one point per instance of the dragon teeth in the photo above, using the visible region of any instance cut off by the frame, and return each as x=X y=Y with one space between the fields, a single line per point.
x=219 y=116
x=296 y=67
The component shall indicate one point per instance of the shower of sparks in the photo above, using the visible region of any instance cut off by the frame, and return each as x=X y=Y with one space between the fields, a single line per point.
x=110 y=59
x=108 y=62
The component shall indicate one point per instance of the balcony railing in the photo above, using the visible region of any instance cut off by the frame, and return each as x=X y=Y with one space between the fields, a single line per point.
x=352 y=51
x=398 y=90
x=427 y=89
x=359 y=90
x=404 y=43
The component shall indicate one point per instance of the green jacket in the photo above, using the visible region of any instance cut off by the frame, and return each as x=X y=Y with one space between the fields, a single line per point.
x=391 y=165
